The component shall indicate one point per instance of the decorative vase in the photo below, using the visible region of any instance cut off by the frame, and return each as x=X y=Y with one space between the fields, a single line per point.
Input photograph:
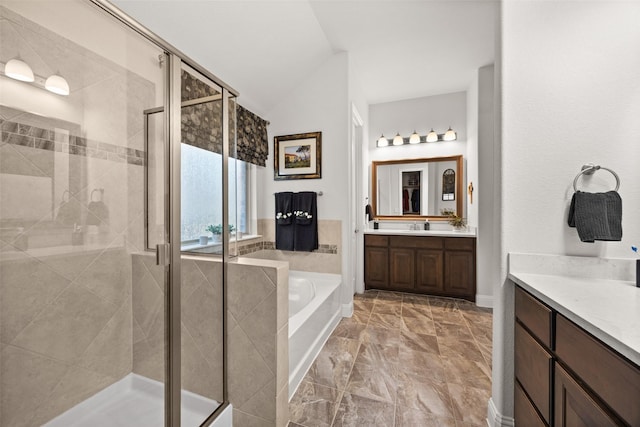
x=204 y=240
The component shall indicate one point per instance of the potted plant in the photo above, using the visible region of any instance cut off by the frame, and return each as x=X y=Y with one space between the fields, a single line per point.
x=457 y=222
x=216 y=230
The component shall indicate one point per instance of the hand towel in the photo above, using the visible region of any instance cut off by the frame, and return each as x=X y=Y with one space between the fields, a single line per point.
x=596 y=216
x=368 y=210
x=284 y=221
x=305 y=211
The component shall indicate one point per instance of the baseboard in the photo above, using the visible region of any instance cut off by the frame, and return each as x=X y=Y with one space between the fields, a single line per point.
x=484 y=301
x=347 y=309
x=496 y=419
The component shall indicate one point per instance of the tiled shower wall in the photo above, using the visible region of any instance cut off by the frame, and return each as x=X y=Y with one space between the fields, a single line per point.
x=257 y=328
x=65 y=299
x=326 y=259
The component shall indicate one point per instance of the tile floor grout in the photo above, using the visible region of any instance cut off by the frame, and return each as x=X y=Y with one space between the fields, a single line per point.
x=307 y=403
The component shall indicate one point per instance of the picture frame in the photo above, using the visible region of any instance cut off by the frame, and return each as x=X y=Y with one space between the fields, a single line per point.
x=297 y=156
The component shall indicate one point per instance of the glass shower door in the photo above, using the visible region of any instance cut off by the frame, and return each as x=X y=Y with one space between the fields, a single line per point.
x=82 y=333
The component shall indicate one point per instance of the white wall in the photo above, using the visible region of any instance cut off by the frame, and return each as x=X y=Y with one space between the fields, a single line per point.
x=419 y=114
x=485 y=190
x=319 y=103
x=570 y=95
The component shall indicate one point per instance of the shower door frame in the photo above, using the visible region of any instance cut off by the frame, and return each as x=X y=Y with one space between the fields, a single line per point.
x=172 y=127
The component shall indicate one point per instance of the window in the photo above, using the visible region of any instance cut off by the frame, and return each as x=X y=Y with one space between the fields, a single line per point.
x=202 y=193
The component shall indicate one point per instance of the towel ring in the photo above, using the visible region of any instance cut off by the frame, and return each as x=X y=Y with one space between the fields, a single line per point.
x=589 y=169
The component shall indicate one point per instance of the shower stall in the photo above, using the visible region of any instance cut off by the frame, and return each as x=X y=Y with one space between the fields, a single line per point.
x=104 y=320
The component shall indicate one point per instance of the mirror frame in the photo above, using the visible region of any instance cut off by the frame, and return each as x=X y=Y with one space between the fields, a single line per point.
x=374 y=187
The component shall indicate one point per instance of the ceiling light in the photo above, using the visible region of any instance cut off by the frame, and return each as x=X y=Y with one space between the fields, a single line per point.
x=397 y=140
x=382 y=141
x=18 y=70
x=57 y=84
x=450 y=135
x=432 y=136
x=414 y=138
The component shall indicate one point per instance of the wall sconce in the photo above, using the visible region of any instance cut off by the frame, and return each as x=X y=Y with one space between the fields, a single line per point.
x=415 y=138
x=19 y=70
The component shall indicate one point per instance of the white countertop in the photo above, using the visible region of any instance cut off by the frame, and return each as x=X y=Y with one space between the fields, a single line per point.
x=608 y=309
x=439 y=233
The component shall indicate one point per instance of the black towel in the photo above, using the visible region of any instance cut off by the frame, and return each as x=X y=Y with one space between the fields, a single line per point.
x=596 y=216
x=305 y=211
x=415 y=200
x=368 y=210
x=284 y=221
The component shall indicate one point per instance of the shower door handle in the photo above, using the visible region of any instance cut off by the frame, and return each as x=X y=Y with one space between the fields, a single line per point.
x=162 y=254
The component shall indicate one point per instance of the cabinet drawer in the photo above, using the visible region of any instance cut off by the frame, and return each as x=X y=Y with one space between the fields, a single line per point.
x=416 y=242
x=615 y=380
x=371 y=240
x=525 y=413
x=533 y=370
x=534 y=315
x=459 y=243
x=575 y=407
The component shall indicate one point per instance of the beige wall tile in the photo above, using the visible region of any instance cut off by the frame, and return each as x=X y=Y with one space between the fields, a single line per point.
x=22 y=391
x=247 y=371
x=304 y=261
x=247 y=287
x=260 y=327
x=263 y=403
x=197 y=376
x=282 y=358
x=111 y=352
x=68 y=325
x=282 y=406
x=26 y=288
x=77 y=385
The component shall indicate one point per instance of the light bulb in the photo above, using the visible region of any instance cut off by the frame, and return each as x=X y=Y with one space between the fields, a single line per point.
x=450 y=135
x=432 y=136
x=397 y=140
x=414 y=138
x=57 y=84
x=18 y=70
x=382 y=141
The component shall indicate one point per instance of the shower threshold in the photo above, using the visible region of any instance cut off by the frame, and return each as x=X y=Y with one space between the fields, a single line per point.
x=133 y=401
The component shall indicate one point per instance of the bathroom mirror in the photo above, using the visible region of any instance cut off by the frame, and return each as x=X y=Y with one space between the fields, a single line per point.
x=417 y=188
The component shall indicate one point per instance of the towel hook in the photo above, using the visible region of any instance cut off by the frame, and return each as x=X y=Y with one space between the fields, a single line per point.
x=590 y=169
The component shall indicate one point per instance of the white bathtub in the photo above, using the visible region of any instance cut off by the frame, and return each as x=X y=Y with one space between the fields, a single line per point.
x=314 y=312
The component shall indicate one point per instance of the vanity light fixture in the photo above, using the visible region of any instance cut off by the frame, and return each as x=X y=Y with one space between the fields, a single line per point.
x=432 y=136
x=17 y=69
x=57 y=84
x=414 y=138
x=382 y=141
x=450 y=135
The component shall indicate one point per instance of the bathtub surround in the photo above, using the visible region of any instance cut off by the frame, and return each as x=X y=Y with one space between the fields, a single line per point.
x=326 y=259
x=312 y=324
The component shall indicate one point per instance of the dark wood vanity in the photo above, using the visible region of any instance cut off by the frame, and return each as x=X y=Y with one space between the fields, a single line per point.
x=566 y=377
x=433 y=265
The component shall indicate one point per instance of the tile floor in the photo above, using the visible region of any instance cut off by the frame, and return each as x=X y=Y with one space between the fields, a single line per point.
x=401 y=360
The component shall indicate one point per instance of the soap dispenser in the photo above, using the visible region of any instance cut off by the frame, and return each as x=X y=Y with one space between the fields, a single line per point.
x=426 y=224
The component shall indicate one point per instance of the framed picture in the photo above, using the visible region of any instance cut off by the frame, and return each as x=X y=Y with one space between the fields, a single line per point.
x=297 y=156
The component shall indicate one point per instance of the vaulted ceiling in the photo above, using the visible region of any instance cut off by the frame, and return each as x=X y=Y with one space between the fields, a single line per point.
x=398 y=49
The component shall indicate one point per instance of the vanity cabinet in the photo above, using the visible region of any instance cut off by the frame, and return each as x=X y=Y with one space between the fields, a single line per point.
x=566 y=377
x=443 y=266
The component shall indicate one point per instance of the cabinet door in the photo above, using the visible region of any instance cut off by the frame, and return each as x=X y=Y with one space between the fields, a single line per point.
x=402 y=268
x=459 y=276
x=573 y=405
x=376 y=267
x=429 y=277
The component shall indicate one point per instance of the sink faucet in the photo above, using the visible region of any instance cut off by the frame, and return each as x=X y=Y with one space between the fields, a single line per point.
x=413 y=226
